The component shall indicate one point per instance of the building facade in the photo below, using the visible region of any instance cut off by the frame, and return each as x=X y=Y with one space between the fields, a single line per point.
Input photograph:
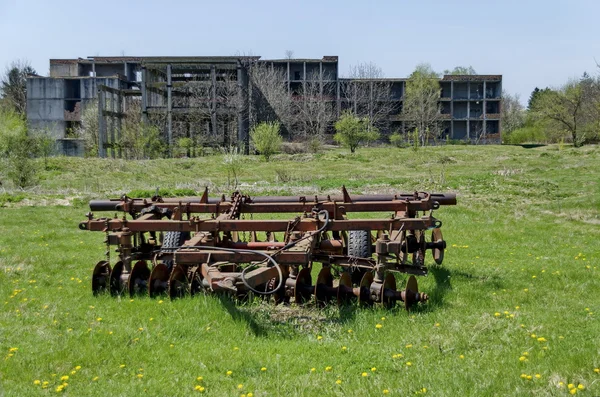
x=224 y=96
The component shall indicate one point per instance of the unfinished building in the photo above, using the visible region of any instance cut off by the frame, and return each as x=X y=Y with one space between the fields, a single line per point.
x=218 y=99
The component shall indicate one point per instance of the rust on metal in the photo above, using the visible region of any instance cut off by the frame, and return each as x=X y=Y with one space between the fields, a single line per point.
x=191 y=245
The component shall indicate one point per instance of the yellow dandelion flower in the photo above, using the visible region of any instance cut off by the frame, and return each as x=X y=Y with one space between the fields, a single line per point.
x=571 y=386
x=581 y=387
x=236 y=348
x=424 y=390
x=525 y=353
x=408 y=346
x=573 y=391
x=541 y=339
x=533 y=336
x=160 y=302
x=382 y=318
x=350 y=331
x=313 y=369
x=37 y=382
x=461 y=356
x=436 y=324
x=561 y=384
x=263 y=369
x=64 y=378
x=73 y=372
x=522 y=358
x=597 y=370
x=378 y=326
x=99 y=319
x=140 y=329
x=78 y=367
x=13 y=349
x=319 y=337
x=344 y=348
x=59 y=388
x=529 y=377
x=526 y=289
x=140 y=376
x=408 y=363
x=373 y=369
x=364 y=374
x=95 y=378
x=505 y=312
x=229 y=373
x=386 y=391
x=338 y=382
x=199 y=389
x=538 y=376
x=249 y=395
x=523 y=376
x=561 y=337
x=328 y=368
x=240 y=386
x=199 y=379
x=122 y=366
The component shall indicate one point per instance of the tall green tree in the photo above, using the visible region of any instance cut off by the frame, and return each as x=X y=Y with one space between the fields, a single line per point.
x=569 y=109
x=13 y=85
x=512 y=113
x=422 y=110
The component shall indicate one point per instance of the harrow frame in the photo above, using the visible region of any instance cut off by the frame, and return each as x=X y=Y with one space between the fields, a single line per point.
x=213 y=254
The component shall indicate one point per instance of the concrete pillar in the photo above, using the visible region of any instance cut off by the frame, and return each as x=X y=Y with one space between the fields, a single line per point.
x=452 y=110
x=120 y=111
x=101 y=125
x=113 y=141
x=321 y=78
x=213 y=100
x=243 y=109
x=144 y=96
x=169 y=109
x=289 y=84
x=338 y=98
x=483 y=104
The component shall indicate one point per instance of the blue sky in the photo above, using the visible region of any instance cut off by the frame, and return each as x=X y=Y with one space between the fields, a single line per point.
x=530 y=42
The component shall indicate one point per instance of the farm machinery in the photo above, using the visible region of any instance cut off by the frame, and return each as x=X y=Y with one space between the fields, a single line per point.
x=241 y=244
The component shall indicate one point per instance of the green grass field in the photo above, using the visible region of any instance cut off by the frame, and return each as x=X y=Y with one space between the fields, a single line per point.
x=514 y=309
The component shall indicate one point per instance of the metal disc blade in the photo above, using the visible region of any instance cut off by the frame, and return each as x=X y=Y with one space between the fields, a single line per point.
x=438 y=253
x=412 y=289
x=365 y=285
x=323 y=286
x=158 y=281
x=116 y=287
x=302 y=288
x=178 y=283
x=388 y=284
x=100 y=277
x=138 y=279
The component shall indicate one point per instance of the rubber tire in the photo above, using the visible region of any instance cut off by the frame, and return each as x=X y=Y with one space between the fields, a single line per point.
x=359 y=245
x=173 y=239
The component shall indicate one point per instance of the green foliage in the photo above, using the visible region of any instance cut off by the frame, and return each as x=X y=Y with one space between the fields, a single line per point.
x=266 y=139
x=421 y=106
x=353 y=131
x=17 y=149
x=148 y=193
x=44 y=145
x=314 y=144
x=232 y=159
x=142 y=141
x=397 y=139
x=13 y=85
x=461 y=70
x=527 y=134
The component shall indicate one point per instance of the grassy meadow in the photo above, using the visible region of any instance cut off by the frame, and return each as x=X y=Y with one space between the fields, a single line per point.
x=514 y=308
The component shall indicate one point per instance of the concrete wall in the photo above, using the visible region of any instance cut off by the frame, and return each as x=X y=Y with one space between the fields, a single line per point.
x=45 y=105
x=63 y=69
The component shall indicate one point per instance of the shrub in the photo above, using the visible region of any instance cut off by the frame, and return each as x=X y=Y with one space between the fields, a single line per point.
x=397 y=140
x=266 y=139
x=353 y=131
x=529 y=134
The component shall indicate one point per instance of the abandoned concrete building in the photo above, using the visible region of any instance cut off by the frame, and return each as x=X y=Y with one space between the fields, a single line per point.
x=221 y=98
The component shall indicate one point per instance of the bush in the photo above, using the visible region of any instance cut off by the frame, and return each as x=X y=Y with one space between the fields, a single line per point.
x=398 y=140
x=266 y=139
x=353 y=131
x=529 y=134
x=18 y=149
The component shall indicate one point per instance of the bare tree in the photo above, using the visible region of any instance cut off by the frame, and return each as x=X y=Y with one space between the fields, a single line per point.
x=289 y=54
x=367 y=94
x=421 y=102
x=270 y=98
x=315 y=110
x=512 y=113
x=13 y=84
